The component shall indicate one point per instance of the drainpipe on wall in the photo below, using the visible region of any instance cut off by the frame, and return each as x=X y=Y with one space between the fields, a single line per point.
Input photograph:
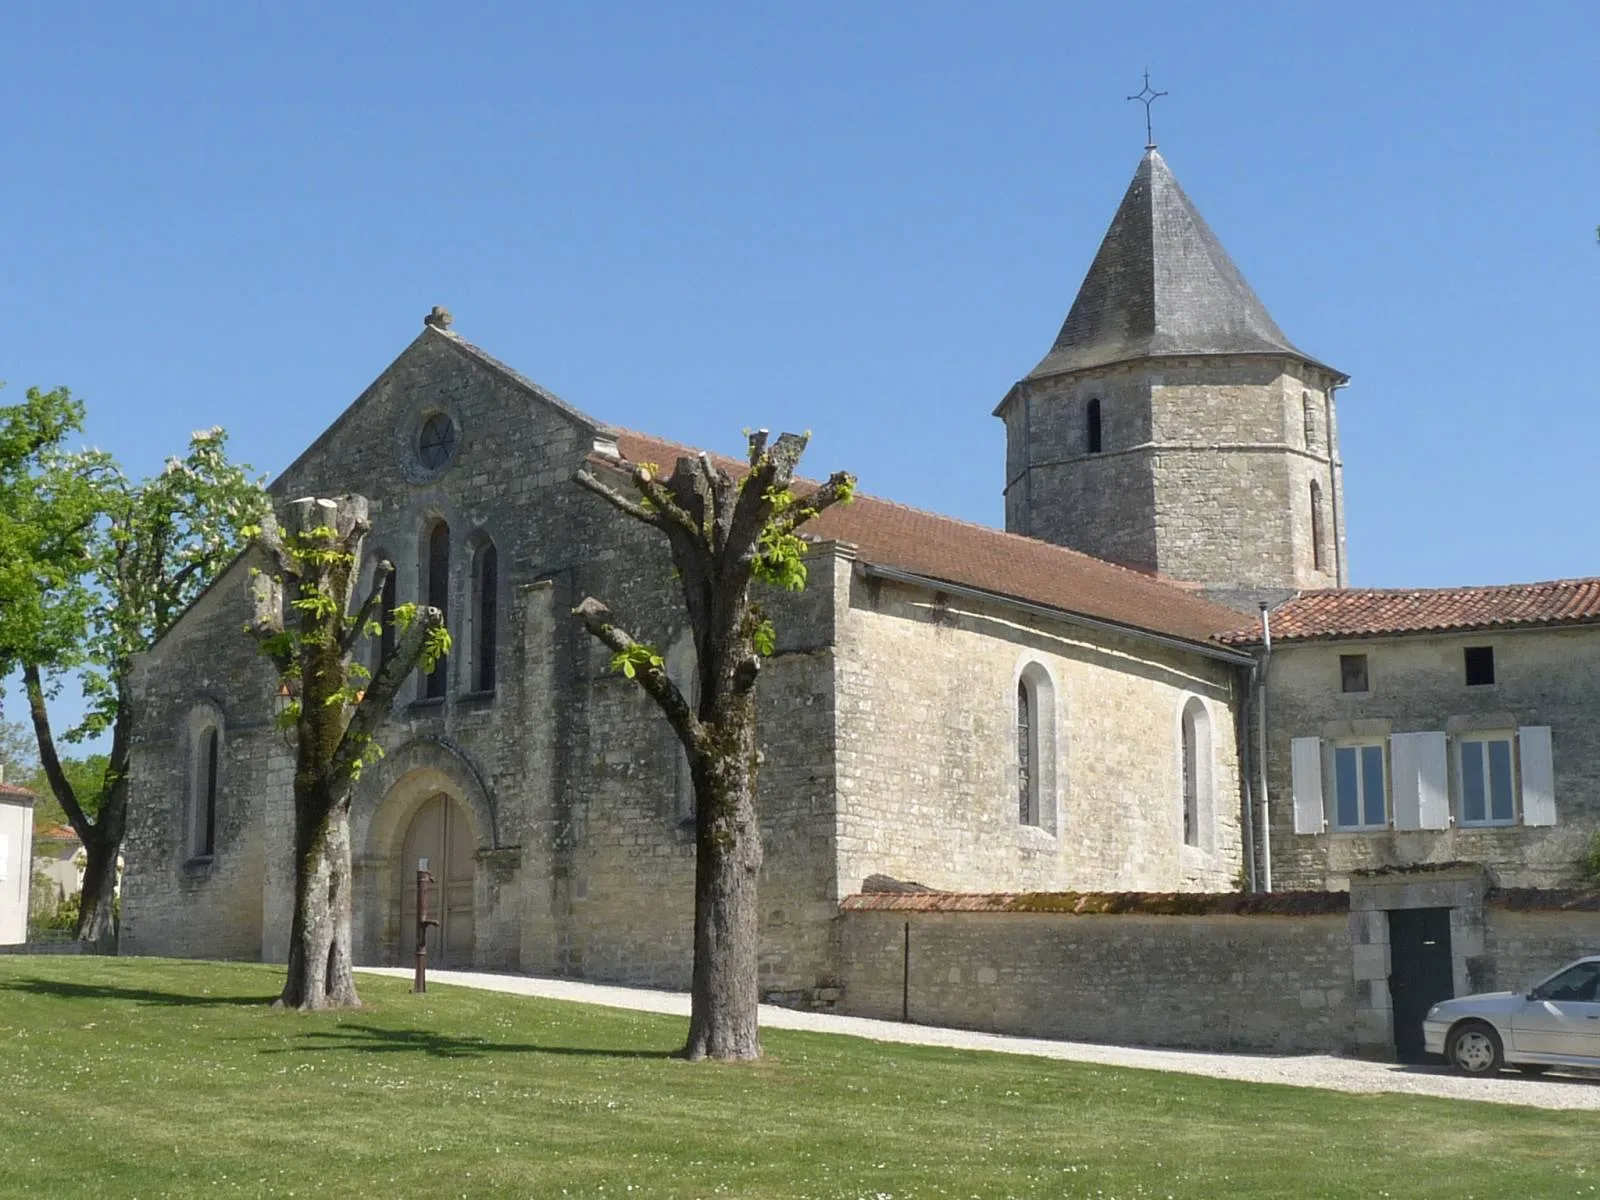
x=1241 y=738
x=1333 y=483
x=1261 y=748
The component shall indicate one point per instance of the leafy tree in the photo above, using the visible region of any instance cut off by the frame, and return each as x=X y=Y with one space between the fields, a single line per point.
x=18 y=754
x=156 y=545
x=86 y=774
x=723 y=533
x=335 y=708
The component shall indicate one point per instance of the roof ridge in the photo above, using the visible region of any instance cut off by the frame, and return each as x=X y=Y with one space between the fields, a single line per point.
x=1172 y=585
x=1318 y=593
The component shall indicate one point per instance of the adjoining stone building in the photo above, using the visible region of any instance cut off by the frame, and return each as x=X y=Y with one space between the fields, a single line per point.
x=1077 y=705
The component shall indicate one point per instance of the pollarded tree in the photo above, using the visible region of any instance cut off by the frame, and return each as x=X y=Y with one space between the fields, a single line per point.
x=335 y=707
x=724 y=532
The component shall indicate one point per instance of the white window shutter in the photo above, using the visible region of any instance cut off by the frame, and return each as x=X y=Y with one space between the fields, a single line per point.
x=1419 y=780
x=1433 y=783
x=5 y=856
x=1538 y=775
x=1305 y=756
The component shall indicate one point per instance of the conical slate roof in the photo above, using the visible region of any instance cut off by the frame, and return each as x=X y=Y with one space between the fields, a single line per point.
x=1161 y=284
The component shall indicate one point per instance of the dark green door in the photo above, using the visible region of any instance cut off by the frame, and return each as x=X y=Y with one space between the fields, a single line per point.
x=1420 y=973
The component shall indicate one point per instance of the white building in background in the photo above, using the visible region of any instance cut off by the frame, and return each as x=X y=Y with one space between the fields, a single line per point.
x=16 y=861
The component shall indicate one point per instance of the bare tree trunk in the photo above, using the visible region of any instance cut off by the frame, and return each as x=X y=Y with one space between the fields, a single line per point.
x=726 y=991
x=97 y=903
x=320 y=972
x=102 y=837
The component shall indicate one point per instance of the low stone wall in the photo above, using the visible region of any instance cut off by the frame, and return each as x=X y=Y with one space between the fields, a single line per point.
x=1243 y=978
x=1523 y=945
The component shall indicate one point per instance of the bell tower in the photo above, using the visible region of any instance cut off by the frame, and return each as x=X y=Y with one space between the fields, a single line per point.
x=1172 y=427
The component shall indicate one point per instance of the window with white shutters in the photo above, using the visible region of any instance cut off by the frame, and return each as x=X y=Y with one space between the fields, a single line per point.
x=1360 y=799
x=1486 y=776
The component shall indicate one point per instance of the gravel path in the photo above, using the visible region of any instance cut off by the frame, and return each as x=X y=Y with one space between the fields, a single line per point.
x=1304 y=1070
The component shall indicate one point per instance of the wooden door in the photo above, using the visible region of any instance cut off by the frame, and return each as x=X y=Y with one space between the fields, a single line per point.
x=1421 y=973
x=440 y=834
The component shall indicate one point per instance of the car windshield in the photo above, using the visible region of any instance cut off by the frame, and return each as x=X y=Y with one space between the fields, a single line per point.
x=1578 y=982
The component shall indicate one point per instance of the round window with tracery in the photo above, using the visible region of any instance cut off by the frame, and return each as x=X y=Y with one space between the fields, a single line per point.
x=438 y=441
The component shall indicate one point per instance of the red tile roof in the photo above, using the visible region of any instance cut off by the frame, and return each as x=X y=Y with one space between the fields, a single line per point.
x=8 y=789
x=1377 y=612
x=975 y=556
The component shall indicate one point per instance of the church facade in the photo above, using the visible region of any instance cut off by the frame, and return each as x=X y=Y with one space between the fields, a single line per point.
x=1074 y=704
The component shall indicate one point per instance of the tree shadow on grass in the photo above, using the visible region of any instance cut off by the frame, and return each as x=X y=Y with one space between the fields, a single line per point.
x=372 y=1039
x=106 y=991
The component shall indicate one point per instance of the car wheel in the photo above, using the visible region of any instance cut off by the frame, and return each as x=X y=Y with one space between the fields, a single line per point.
x=1533 y=1068
x=1473 y=1048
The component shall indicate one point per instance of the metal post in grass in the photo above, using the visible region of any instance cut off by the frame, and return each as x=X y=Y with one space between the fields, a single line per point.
x=419 y=982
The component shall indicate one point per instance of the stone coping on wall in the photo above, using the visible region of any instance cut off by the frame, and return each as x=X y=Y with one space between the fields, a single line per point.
x=1544 y=899
x=1154 y=904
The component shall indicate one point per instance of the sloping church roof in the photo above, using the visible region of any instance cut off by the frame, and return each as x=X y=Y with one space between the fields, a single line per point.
x=1161 y=285
x=941 y=548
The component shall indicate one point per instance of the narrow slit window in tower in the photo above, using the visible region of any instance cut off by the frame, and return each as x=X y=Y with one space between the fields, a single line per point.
x=1319 y=550
x=1092 y=427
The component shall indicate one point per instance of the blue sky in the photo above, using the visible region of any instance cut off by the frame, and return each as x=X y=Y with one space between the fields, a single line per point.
x=866 y=220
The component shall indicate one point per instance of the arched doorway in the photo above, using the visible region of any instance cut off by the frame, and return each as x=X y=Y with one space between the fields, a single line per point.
x=439 y=832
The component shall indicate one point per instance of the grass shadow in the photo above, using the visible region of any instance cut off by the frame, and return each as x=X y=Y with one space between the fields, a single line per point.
x=106 y=991
x=372 y=1039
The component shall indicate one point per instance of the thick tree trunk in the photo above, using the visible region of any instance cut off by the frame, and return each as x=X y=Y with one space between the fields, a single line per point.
x=320 y=966
x=723 y=1004
x=97 y=913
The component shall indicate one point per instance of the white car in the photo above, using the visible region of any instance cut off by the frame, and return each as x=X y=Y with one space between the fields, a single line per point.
x=1556 y=1023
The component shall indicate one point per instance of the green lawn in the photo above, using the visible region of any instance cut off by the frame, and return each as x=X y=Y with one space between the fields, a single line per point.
x=147 y=1077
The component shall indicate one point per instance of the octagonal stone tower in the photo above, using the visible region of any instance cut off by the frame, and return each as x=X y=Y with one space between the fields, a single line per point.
x=1172 y=427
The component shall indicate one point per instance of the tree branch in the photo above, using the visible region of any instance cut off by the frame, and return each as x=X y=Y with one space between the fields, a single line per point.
x=632 y=507
x=596 y=618
x=379 y=697
x=372 y=604
x=266 y=615
x=49 y=759
x=840 y=487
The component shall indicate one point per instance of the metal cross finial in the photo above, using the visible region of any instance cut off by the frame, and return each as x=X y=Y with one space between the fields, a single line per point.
x=1147 y=97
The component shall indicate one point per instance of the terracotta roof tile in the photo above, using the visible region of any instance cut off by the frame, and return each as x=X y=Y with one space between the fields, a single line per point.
x=1374 y=612
x=9 y=789
x=975 y=556
x=1178 y=904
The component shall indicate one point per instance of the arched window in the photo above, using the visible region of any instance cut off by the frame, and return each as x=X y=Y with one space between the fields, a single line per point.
x=1309 y=417
x=683 y=668
x=207 y=764
x=391 y=601
x=382 y=646
x=1319 y=533
x=438 y=596
x=1035 y=747
x=485 y=616
x=1195 y=737
x=1026 y=796
x=1092 y=427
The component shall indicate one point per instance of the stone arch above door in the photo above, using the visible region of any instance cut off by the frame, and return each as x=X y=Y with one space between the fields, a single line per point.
x=402 y=781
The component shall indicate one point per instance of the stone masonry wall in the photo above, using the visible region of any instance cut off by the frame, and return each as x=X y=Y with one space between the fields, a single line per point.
x=1417 y=683
x=1522 y=948
x=927 y=783
x=564 y=775
x=1205 y=470
x=174 y=900
x=1258 y=983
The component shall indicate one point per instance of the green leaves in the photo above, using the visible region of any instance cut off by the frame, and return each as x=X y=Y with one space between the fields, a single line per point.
x=636 y=658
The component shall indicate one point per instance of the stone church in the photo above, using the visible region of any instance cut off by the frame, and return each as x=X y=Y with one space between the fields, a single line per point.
x=1086 y=702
